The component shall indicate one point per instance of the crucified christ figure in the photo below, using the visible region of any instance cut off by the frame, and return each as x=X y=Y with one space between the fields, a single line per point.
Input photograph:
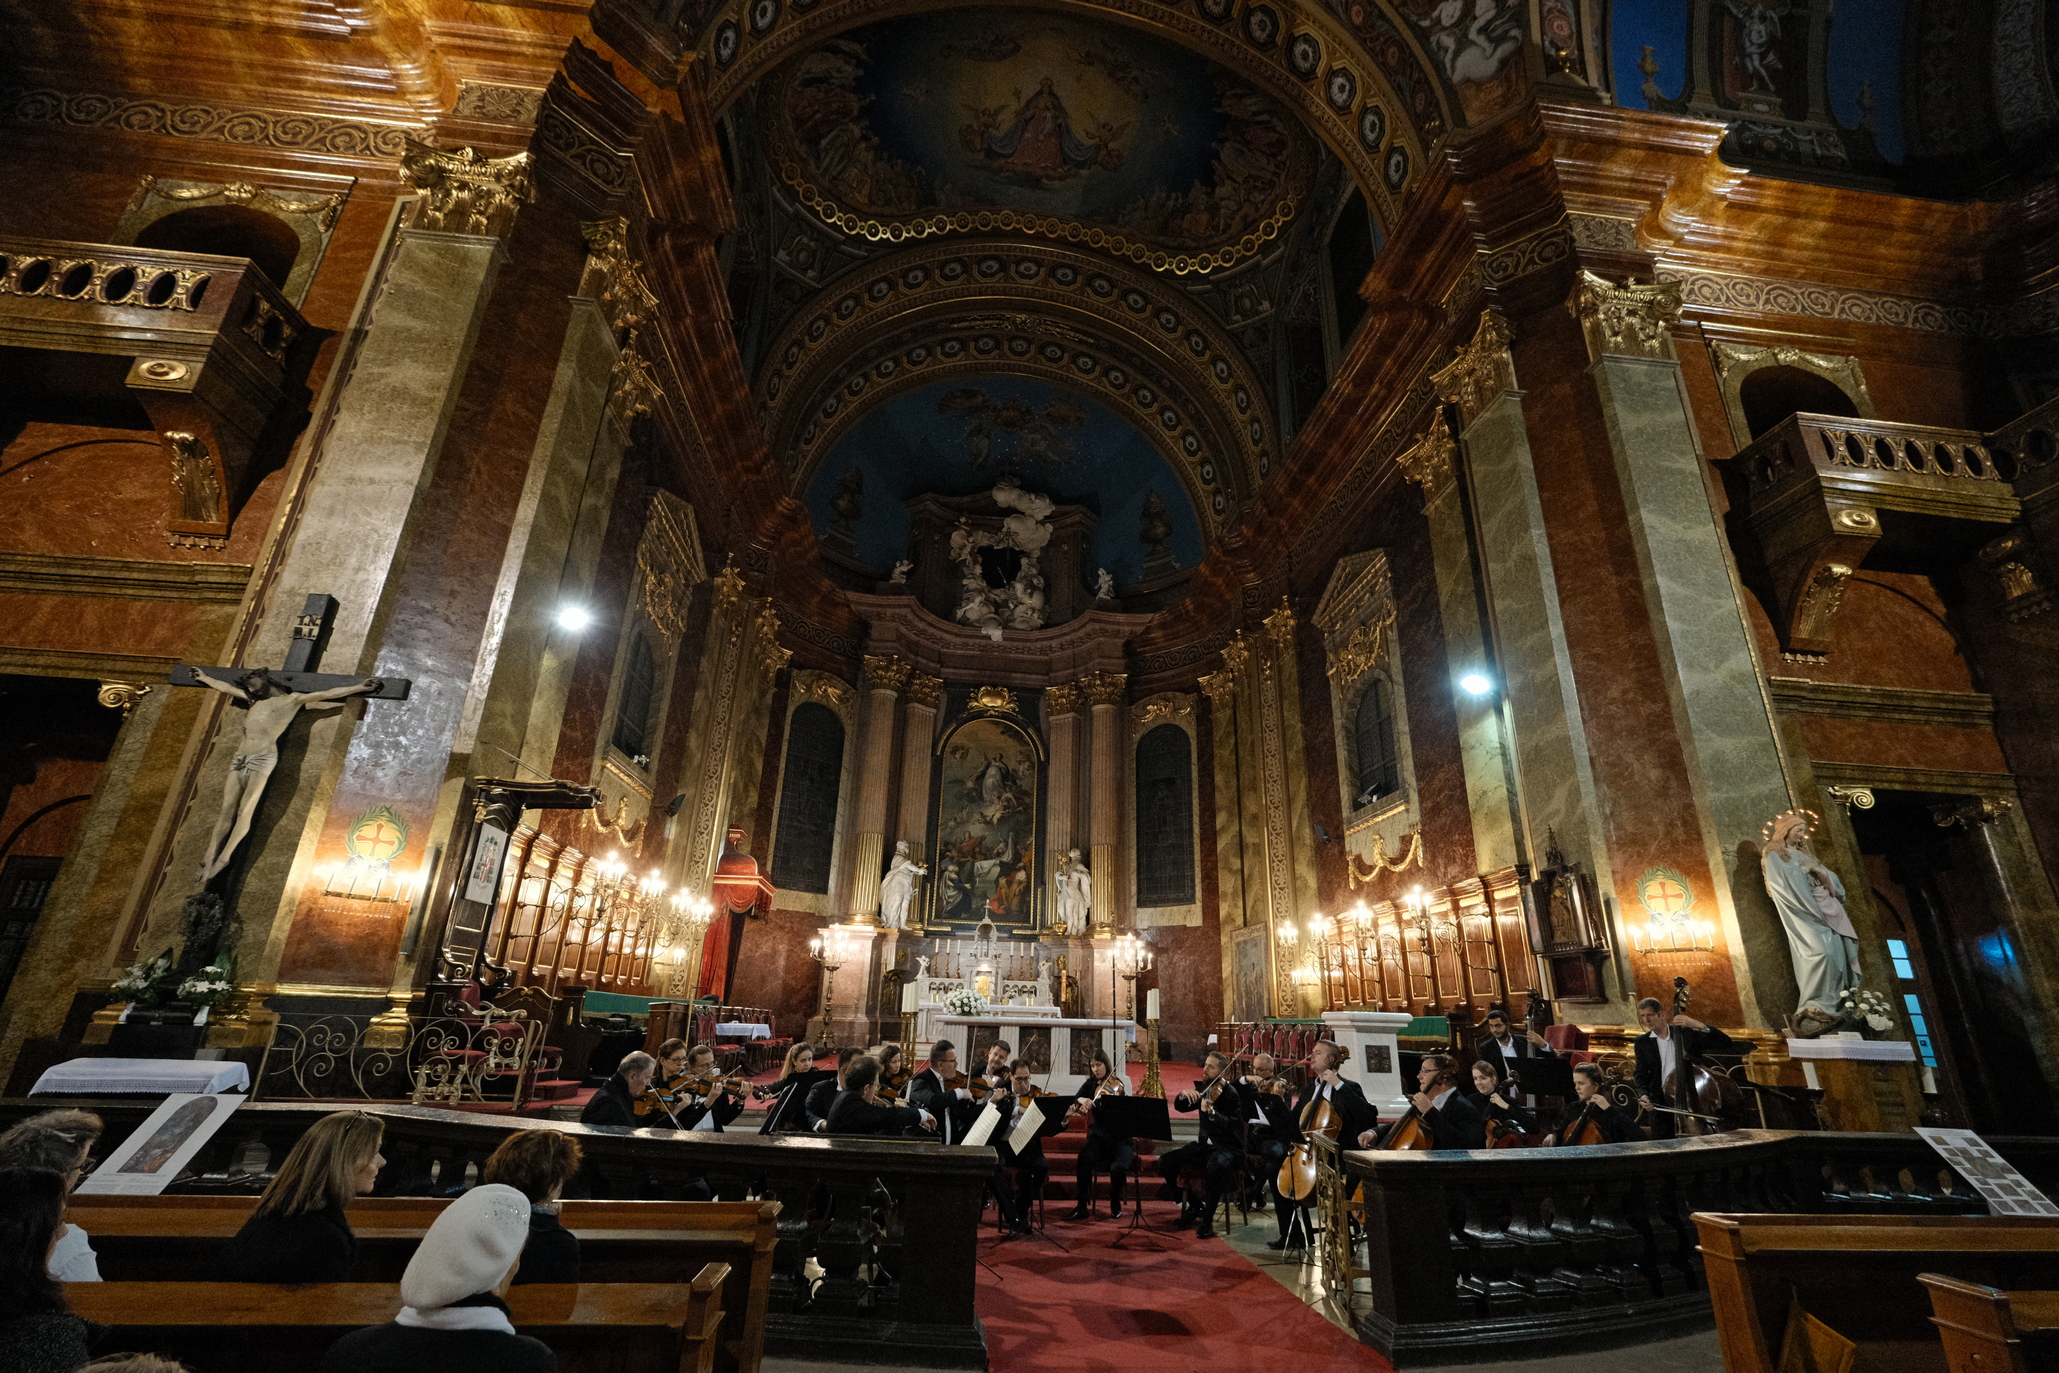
x=257 y=753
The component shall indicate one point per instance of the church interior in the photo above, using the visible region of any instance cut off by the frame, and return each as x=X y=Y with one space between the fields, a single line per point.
x=539 y=536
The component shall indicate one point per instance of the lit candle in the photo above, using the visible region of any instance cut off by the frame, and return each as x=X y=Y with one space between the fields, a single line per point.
x=1151 y=1004
x=911 y=998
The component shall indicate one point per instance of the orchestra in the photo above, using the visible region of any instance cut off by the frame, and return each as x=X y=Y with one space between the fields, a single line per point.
x=1104 y=1151
x=1222 y=1104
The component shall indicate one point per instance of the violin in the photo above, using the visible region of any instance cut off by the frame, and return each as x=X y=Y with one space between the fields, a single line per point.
x=700 y=1089
x=978 y=1086
x=1115 y=1084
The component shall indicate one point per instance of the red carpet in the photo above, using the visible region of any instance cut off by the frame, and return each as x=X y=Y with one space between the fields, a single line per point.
x=1199 y=1306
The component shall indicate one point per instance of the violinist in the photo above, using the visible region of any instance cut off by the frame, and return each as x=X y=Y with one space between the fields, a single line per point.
x=796 y=1079
x=996 y=1070
x=1270 y=1131
x=615 y=1102
x=1224 y=1107
x=859 y=1111
x=944 y=1092
x=1664 y=1054
x=824 y=1093
x=893 y=1072
x=1452 y=1119
x=1590 y=1106
x=707 y=1102
x=1031 y=1170
x=1498 y=1107
x=1103 y=1151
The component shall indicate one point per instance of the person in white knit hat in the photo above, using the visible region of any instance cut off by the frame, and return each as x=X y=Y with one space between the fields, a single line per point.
x=452 y=1317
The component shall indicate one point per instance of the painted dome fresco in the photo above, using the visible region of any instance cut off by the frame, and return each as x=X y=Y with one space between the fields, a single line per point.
x=978 y=120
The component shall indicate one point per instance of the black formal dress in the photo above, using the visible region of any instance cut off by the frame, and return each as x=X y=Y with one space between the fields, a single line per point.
x=612 y=1105
x=1512 y=1115
x=1616 y=1127
x=1218 y=1153
x=1455 y=1123
x=1650 y=1075
x=852 y=1114
x=789 y=1110
x=314 y=1246
x=551 y=1253
x=1103 y=1152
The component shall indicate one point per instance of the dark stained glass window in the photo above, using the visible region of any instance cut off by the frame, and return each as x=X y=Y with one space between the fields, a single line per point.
x=1379 y=761
x=807 y=800
x=1165 y=818
x=633 y=711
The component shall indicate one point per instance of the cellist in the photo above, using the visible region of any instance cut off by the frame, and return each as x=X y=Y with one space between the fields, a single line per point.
x=1361 y=1122
x=1591 y=1108
x=1665 y=1053
x=1449 y=1114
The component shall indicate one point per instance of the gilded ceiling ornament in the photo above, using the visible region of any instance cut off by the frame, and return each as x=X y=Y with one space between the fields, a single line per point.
x=464 y=192
x=1236 y=653
x=729 y=587
x=884 y=672
x=992 y=698
x=1280 y=624
x=1481 y=372
x=1166 y=705
x=1630 y=320
x=668 y=560
x=1432 y=460
x=1105 y=688
x=811 y=684
x=772 y=655
x=1063 y=699
x=1364 y=649
x=291 y=129
x=613 y=277
x=323 y=209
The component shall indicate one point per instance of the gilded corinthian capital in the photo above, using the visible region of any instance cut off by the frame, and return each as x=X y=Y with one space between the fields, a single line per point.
x=1481 y=371
x=1105 y=688
x=1630 y=321
x=924 y=690
x=1431 y=460
x=1220 y=686
x=884 y=672
x=1063 y=699
x=464 y=192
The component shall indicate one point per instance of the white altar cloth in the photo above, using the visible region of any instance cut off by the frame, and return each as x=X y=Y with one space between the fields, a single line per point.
x=94 y=1076
x=742 y=1029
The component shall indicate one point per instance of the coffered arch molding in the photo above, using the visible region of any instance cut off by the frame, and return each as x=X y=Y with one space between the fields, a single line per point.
x=1343 y=86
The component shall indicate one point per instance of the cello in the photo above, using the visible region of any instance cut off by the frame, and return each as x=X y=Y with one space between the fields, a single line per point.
x=1297 y=1178
x=1412 y=1132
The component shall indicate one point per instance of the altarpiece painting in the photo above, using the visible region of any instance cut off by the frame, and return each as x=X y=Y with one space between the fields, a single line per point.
x=986 y=837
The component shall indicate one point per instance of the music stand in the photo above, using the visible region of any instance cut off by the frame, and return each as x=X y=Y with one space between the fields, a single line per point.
x=1135 y=1117
x=1054 y=1121
x=1541 y=1077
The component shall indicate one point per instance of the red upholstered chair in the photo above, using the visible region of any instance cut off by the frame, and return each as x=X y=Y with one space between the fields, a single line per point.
x=1570 y=1041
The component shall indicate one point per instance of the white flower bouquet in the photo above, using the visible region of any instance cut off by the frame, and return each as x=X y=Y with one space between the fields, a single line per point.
x=967 y=1002
x=210 y=986
x=1869 y=1008
x=138 y=982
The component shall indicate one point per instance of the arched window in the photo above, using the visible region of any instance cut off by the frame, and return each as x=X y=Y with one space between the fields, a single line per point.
x=633 y=710
x=806 y=838
x=1771 y=394
x=1379 y=760
x=1165 y=818
x=1352 y=247
x=229 y=231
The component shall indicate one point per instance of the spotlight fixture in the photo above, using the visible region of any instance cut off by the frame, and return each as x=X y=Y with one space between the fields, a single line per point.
x=574 y=618
x=1476 y=683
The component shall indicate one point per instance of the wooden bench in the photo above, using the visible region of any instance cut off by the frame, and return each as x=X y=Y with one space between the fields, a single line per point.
x=1859 y=1275
x=156 y=1240
x=261 y=1328
x=1990 y=1331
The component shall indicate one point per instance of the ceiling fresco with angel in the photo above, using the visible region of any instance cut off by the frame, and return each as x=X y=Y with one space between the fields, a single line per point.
x=1057 y=118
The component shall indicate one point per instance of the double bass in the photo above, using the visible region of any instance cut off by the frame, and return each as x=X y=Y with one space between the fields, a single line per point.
x=1708 y=1100
x=1297 y=1178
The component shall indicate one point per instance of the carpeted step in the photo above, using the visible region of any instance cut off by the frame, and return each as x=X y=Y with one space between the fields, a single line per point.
x=555 y=1089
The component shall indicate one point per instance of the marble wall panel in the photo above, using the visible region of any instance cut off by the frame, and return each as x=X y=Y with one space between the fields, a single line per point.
x=100 y=624
x=1902 y=744
x=1890 y=631
x=51 y=836
x=773 y=969
x=1190 y=990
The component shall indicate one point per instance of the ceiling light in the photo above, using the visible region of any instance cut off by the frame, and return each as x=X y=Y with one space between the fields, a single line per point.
x=1476 y=683
x=574 y=618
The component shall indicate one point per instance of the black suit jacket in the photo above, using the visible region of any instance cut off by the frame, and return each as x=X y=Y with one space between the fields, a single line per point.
x=1457 y=1124
x=1349 y=1099
x=726 y=1109
x=1222 y=1125
x=821 y=1097
x=551 y=1253
x=1510 y=1059
x=1651 y=1081
x=926 y=1092
x=1032 y=1155
x=852 y=1114
x=611 y=1106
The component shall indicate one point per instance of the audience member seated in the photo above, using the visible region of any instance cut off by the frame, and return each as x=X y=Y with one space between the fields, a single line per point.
x=823 y=1094
x=38 y=1334
x=298 y=1233
x=59 y=1141
x=135 y=1363
x=452 y=1317
x=858 y=1110
x=538 y=1164
x=615 y=1102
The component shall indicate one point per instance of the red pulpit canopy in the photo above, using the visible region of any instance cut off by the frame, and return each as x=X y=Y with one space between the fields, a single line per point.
x=738 y=885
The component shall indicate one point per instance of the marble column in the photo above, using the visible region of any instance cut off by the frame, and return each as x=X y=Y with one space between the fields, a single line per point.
x=1289 y=835
x=1483 y=747
x=367 y=473
x=1106 y=691
x=1554 y=775
x=884 y=678
x=918 y=738
x=1721 y=714
x=1221 y=687
x=1062 y=719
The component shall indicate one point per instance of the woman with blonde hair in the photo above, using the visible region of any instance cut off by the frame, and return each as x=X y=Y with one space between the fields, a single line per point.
x=538 y=1164
x=298 y=1232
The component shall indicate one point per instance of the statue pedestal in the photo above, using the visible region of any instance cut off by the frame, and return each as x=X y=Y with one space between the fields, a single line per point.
x=1372 y=1055
x=1868 y=1084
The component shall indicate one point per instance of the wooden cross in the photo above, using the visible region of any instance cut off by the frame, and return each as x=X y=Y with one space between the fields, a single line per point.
x=301 y=658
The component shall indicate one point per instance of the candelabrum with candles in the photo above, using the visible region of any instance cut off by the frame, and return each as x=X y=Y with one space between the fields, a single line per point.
x=686 y=926
x=1151 y=1086
x=1129 y=958
x=823 y=949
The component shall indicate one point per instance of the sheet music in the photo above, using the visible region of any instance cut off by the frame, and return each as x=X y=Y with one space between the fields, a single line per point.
x=989 y=1119
x=1033 y=1120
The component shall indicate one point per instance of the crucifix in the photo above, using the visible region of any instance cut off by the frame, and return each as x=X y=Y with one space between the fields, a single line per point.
x=274 y=697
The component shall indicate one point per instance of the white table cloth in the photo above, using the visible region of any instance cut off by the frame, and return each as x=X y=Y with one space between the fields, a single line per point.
x=738 y=1029
x=95 y=1076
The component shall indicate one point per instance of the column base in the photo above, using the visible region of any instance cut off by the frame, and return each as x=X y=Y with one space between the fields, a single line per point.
x=389 y=1028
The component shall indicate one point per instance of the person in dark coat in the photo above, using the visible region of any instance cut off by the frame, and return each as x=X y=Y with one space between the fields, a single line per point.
x=1664 y=1054
x=1104 y=1151
x=1591 y=1104
x=453 y=1317
x=1496 y=1106
x=939 y=1090
x=1031 y=1169
x=1501 y=1047
x=1223 y=1106
x=797 y=1078
x=615 y=1102
x=1454 y=1122
x=38 y=1334
x=539 y=1164
x=1360 y=1128
x=858 y=1110
x=824 y=1093
x=298 y=1233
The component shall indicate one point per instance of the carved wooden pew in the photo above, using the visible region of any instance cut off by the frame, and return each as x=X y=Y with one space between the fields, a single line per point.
x=259 y=1328
x=1989 y=1331
x=174 y=1239
x=1859 y=1275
